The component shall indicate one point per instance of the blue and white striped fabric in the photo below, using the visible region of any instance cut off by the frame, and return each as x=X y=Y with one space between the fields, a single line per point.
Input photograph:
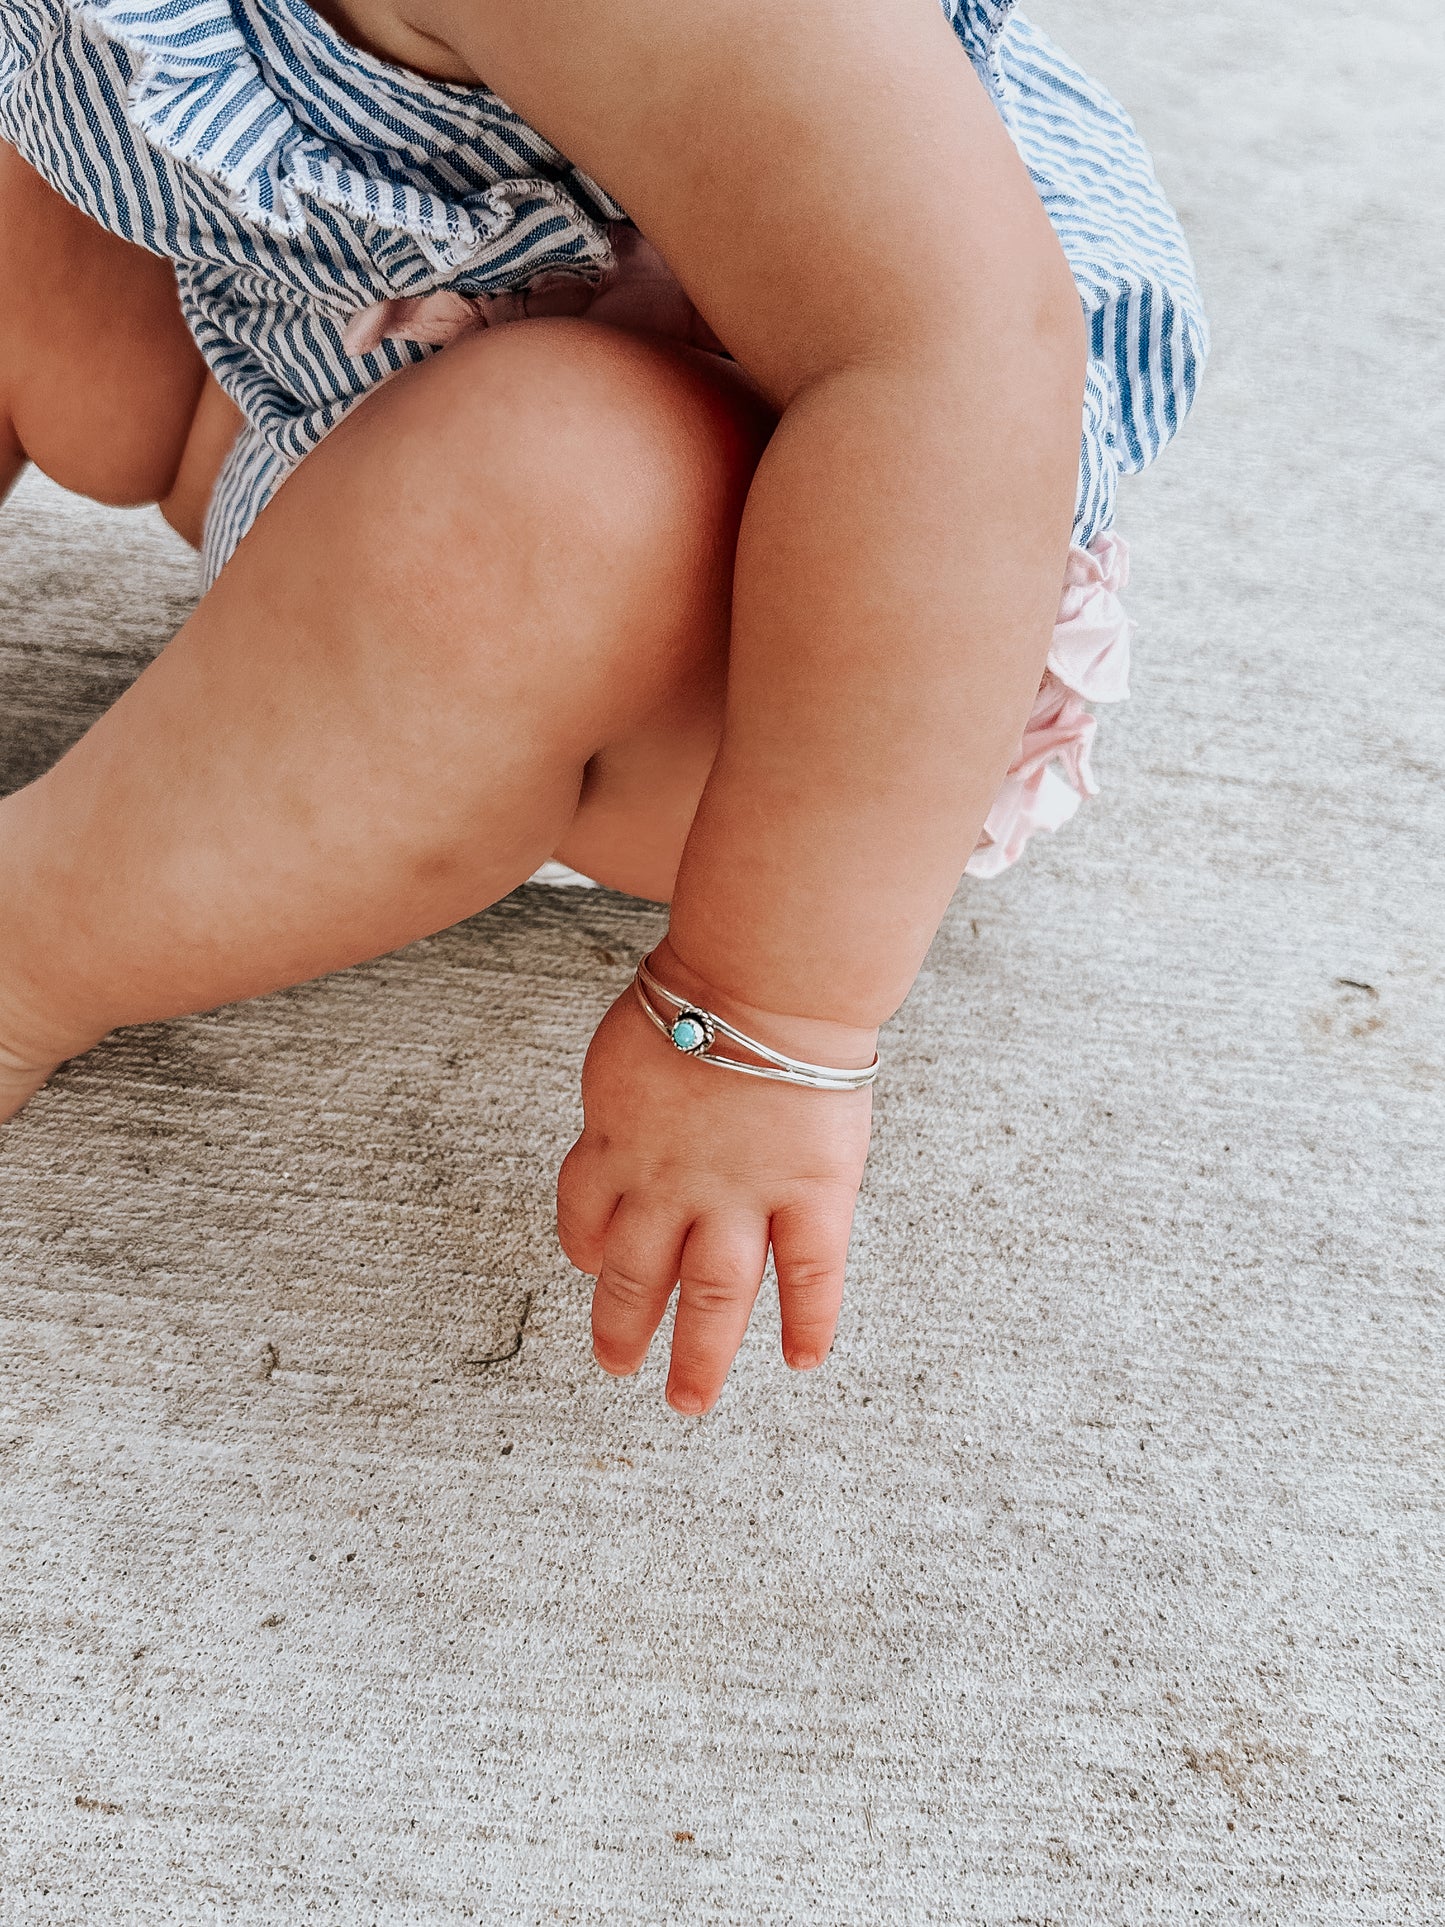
x=295 y=180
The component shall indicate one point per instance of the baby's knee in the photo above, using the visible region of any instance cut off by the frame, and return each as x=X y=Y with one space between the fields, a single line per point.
x=627 y=458
x=98 y=374
x=540 y=521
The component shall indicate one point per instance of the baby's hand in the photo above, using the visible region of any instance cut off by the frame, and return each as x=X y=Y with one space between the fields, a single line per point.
x=685 y=1172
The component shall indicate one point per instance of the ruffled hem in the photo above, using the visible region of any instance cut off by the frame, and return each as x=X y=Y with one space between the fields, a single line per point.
x=200 y=97
x=1088 y=661
x=979 y=25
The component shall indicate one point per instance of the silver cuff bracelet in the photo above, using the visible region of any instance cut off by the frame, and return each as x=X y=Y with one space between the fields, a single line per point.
x=695 y=1033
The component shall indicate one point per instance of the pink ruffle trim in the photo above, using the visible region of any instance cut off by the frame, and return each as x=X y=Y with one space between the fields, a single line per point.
x=1088 y=662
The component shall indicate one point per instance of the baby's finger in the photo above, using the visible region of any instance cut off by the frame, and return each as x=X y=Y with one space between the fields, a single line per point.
x=722 y=1268
x=810 y=1246
x=585 y=1204
x=640 y=1263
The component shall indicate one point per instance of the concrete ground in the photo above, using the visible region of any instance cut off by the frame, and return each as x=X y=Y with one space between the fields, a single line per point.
x=1098 y=1577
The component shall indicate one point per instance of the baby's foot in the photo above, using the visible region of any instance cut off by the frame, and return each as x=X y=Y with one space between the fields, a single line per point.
x=41 y=1022
x=19 y=1081
x=27 y=1058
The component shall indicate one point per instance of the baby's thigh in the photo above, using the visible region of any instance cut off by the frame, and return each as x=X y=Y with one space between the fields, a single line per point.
x=99 y=377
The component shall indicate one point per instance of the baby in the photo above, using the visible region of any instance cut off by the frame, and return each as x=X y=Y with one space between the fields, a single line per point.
x=758 y=567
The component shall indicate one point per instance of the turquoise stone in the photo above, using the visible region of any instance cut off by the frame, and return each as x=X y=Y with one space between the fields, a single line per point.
x=687 y=1033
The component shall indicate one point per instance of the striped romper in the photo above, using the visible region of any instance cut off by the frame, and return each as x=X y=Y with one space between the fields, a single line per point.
x=333 y=218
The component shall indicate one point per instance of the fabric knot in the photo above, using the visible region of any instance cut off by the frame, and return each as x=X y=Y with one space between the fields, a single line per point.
x=635 y=290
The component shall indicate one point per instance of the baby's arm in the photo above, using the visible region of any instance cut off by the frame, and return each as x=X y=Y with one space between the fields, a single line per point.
x=838 y=196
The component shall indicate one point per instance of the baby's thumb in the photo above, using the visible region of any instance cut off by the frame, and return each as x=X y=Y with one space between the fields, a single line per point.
x=585 y=1204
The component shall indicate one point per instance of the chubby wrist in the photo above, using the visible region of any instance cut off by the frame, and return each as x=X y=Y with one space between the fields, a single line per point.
x=818 y=1040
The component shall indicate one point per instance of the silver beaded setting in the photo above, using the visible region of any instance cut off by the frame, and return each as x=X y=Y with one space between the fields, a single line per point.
x=693 y=1031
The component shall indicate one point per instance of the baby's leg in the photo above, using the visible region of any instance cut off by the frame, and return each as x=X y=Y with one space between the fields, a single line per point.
x=499 y=590
x=99 y=377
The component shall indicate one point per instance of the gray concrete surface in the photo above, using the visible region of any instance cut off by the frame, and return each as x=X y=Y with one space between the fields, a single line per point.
x=1098 y=1578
